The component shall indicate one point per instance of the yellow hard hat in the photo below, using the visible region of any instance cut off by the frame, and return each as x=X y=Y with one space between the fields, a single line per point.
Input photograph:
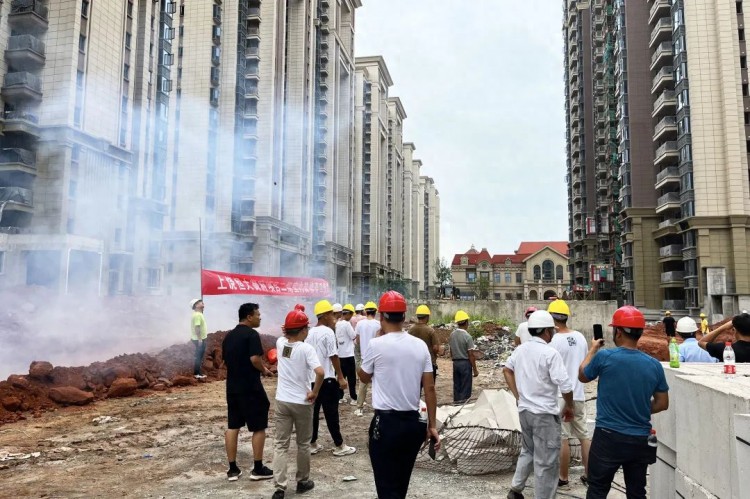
x=667 y=313
x=370 y=306
x=322 y=307
x=559 y=307
x=423 y=310
x=349 y=308
x=461 y=316
x=703 y=316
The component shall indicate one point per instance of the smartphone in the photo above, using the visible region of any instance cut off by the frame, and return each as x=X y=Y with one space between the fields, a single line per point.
x=431 y=450
x=598 y=332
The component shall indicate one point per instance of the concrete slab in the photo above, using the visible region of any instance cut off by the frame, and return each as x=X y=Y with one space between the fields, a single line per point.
x=742 y=443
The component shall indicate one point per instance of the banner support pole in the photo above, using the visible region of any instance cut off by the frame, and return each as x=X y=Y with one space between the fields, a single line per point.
x=200 y=250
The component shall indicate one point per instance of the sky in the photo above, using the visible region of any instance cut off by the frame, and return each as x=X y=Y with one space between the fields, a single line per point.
x=482 y=85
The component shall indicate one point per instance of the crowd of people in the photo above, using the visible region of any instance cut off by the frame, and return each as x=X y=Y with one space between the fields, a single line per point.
x=546 y=373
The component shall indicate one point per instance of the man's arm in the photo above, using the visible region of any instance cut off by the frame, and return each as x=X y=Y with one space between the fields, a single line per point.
x=596 y=345
x=568 y=412
x=510 y=380
x=311 y=396
x=435 y=343
x=430 y=398
x=339 y=374
x=710 y=337
x=660 y=402
x=198 y=332
x=470 y=347
x=257 y=362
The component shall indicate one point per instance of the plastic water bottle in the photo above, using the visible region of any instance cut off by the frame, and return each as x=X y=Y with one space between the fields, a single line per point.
x=674 y=353
x=730 y=369
x=422 y=411
x=652 y=442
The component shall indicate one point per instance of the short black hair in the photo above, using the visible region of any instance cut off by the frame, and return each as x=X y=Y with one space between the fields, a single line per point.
x=686 y=335
x=633 y=332
x=394 y=317
x=295 y=331
x=423 y=317
x=538 y=331
x=463 y=322
x=741 y=323
x=560 y=318
x=370 y=311
x=247 y=309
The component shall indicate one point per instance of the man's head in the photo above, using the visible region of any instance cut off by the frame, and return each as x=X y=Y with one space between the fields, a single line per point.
x=348 y=312
x=627 y=325
x=337 y=311
x=324 y=312
x=686 y=327
x=668 y=313
x=703 y=316
x=741 y=324
x=249 y=314
x=197 y=305
x=392 y=309
x=462 y=319
x=560 y=312
x=541 y=325
x=296 y=325
x=360 y=309
x=528 y=312
x=370 y=309
x=423 y=314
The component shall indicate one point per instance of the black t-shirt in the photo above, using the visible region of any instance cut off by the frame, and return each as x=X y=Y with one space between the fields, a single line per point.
x=669 y=325
x=741 y=351
x=239 y=345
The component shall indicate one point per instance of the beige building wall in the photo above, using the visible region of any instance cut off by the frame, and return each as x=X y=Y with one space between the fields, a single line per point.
x=395 y=187
x=408 y=219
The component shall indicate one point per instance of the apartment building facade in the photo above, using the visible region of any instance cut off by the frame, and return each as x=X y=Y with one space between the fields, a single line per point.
x=676 y=186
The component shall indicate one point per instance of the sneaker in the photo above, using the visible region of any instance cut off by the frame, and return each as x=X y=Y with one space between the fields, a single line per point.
x=315 y=448
x=279 y=494
x=343 y=450
x=262 y=474
x=305 y=486
x=514 y=495
x=342 y=401
x=352 y=402
x=234 y=475
x=359 y=412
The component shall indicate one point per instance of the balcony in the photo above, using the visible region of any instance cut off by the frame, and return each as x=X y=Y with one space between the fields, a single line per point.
x=673 y=277
x=28 y=16
x=666 y=127
x=659 y=9
x=665 y=152
x=664 y=77
x=661 y=32
x=17 y=160
x=666 y=102
x=673 y=304
x=625 y=191
x=22 y=86
x=673 y=251
x=667 y=176
x=602 y=185
x=17 y=198
x=576 y=167
x=662 y=55
x=669 y=201
x=21 y=122
x=253 y=13
x=25 y=52
x=667 y=223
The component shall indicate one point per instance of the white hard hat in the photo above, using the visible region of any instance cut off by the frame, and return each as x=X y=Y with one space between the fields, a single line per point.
x=337 y=307
x=193 y=302
x=359 y=308
x=541 y=319
x=686 y=325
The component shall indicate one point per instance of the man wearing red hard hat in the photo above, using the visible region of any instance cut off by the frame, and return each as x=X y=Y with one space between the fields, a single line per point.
x=632 y=387
x=397 y=364
x=294 y=399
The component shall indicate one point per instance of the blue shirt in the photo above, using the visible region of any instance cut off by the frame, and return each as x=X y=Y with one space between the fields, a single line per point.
x=691 y=352
x=627 y=380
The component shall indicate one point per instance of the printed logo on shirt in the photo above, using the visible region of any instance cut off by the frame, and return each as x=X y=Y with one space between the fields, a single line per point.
x=571 y=341
x=287 y=352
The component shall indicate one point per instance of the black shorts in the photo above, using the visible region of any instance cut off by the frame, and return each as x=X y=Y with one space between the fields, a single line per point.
x=249 y=409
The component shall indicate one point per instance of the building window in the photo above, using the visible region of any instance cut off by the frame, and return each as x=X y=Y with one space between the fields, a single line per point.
x=508 y=278
x=745 y=90
x=128 y=39
x=126 y=71
x=130 y=8
x=519 y=278
x=85 y=8
x=81 y=43
x=559 y=273
x=497 y=277
x=2 y=262
x=508 y=296
x=153 y=278
x=743 y=61
x=741 y=34
x=547 y=270
x=537 y=272
x=471 y=277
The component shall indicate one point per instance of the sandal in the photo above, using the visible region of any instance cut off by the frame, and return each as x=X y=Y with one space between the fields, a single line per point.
x=562 y=483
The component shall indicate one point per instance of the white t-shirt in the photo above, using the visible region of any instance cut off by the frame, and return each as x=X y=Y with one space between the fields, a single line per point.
x=523 y=332
x=396 y=362
x=296 y=361
x=345 y=337
x=366 y=330
x=573 y=349
x=324 y=341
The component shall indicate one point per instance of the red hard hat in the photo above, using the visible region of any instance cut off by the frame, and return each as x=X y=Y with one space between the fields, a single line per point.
x=296 y=319
x=628 y=316
x=529 y=311
x=392 y=301
x=272 y=356
x=299 y=307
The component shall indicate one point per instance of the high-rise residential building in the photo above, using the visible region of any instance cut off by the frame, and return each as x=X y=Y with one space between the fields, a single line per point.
x=83 y=146
x=431 y=223
x=673 y=177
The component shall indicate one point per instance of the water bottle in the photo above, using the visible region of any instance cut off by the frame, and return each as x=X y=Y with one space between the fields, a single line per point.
x=652 y=442
x=422 y=411
x=730 y=369
x=674 y=353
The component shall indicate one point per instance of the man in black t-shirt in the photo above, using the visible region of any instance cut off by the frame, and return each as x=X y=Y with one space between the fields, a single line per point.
x=247 y=402
x=741 y=345
x=668 y=322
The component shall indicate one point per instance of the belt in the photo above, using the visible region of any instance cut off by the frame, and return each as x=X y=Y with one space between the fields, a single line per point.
x=460 y=360
x=382 y=412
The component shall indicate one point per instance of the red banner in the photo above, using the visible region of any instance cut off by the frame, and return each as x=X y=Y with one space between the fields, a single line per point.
x=223 y=283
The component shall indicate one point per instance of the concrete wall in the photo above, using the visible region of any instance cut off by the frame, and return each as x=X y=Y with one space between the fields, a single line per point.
x=584 y=313
x=702 y=452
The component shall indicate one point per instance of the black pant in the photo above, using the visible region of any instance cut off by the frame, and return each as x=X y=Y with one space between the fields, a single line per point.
x=462 y=380
x=328 y=398
x=395 y=439
x=200 y=351
x=609 y=451
x=349 y=370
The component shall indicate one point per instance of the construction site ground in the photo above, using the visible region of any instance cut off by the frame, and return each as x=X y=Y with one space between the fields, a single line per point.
x=171 y=444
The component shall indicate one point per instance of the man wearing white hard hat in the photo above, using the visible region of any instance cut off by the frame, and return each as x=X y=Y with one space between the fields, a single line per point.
x=690 y=351
x=359 y=315
x=534 y=374
x=198 y=335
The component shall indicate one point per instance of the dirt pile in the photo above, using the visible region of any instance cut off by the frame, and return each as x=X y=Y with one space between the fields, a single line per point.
x=47 y=387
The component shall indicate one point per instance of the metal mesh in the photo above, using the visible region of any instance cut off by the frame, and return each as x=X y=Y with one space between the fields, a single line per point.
x=473 y=450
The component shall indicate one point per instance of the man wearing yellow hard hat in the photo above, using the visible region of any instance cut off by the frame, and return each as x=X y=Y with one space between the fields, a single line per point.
x=366 y=331
x=424 y=332
x=704 y=325
x=464 y=360
x=345 y=337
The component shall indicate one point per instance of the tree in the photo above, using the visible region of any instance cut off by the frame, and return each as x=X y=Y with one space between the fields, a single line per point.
x=483 y=288
x=443 y=276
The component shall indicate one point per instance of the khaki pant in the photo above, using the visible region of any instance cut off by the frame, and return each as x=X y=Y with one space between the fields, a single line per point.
x=362 y=395
x=300 y=417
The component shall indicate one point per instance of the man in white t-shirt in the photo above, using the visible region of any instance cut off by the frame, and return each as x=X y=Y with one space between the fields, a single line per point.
x=366 y=330
x=294 y=399
x=345 y=337
x=323 y=339
x=397 y=364
x=573 y=350
x=522 y=332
